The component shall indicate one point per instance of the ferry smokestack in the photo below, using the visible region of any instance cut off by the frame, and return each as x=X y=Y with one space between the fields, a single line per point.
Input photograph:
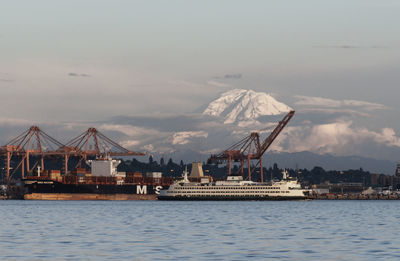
x=197 y=170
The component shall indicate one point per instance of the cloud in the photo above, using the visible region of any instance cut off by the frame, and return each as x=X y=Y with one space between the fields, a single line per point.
x=149 y=147
x=129 y=143
x=132 y=131
x=311 y=101
x=159 y=149
x=5 y=77
x=6 y=80
x=316 y=101
x=334 y=111
x=184 y=137
x=163 y=122
x=78 y=74
x=218 y=84
x=339 y=138
x=350 y=46
x=14 y=122
x=233 y=76
x=387 y=136
x=366 y=105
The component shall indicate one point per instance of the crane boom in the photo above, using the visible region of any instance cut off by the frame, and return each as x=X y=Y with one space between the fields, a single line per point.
x=268 y=141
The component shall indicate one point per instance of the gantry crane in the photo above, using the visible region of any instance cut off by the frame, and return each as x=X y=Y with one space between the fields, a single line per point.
x=35 y=142
x=32 y=142
x=93 y=143
x=250 y=148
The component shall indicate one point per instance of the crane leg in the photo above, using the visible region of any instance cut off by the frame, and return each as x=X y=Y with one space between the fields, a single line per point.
x=261 y=171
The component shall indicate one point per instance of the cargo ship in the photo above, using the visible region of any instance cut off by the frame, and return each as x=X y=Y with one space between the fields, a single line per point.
x=103 y=182
x=235 y=188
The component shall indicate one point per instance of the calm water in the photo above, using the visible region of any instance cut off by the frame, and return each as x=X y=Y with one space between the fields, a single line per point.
x=153 y=230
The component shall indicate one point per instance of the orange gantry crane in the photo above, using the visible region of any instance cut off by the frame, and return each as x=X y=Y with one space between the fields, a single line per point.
x=32 y=142
x=93 y=143
x=35 y=142
x=250 y=148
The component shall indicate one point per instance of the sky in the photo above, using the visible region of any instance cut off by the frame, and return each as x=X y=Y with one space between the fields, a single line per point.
x=73 y=63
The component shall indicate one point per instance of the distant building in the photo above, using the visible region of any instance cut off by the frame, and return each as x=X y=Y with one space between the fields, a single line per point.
x=374 y=179
x=347 y=187
x=320 y=191
x=398 y=170
x=381 y=180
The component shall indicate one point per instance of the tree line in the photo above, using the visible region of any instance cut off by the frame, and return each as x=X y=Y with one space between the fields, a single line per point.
x=317 y=175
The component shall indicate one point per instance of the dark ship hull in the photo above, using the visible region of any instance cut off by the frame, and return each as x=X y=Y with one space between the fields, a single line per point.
x=47 y=189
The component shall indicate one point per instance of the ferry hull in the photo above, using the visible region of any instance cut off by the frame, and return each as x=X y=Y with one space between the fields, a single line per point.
x=213 y=198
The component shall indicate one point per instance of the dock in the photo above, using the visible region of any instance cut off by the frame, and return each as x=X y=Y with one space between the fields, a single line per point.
x=332 y=196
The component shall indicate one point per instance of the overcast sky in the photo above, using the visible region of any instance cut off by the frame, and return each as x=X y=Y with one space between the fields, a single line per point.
x=66 y=61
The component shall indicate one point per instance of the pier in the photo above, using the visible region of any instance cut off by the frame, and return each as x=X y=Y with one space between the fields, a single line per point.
x=332 y=196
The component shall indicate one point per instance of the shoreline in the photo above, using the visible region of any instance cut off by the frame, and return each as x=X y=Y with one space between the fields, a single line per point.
x=126 y=197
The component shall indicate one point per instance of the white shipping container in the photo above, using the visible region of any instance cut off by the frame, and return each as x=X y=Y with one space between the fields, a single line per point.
x=154 y=174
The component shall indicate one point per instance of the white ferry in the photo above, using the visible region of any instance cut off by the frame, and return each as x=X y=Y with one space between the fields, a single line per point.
x=234 y=188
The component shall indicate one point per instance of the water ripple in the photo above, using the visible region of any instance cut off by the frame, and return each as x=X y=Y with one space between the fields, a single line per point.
x=149 y=230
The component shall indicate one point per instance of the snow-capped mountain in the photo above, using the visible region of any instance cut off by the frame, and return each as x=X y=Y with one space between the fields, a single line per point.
x=239 y=104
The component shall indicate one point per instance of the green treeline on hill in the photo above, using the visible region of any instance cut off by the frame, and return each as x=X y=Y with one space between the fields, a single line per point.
x=317 y=175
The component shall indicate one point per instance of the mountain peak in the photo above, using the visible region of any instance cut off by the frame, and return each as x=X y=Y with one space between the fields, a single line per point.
x=239 y=104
